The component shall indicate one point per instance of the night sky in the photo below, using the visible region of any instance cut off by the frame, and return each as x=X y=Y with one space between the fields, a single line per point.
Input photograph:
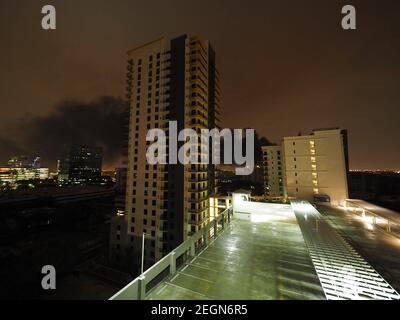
x=287 y=67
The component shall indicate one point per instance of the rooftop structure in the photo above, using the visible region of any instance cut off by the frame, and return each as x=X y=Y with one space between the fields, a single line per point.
x=263 y=251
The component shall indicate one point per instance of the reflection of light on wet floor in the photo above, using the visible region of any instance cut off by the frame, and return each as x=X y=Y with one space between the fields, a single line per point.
x=257 y=218
x=368 y=222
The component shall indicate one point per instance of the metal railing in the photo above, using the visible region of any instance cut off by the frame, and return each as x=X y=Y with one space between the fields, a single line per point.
x=387 y=224
x=168 y=265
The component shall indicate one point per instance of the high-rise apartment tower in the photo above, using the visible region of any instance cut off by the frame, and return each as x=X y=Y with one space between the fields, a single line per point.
x=168 y=80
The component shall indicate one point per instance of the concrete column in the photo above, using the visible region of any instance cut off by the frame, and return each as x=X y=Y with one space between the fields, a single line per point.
x=192 y=248
x=205 y=238
x=172 y=264
x=142 y=288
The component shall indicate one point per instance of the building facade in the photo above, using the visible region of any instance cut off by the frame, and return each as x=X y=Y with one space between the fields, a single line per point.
x=80 y=164
x=316 y=166
x=167 y=80
x=31 y=161
x=23 y=168
x=273 y=163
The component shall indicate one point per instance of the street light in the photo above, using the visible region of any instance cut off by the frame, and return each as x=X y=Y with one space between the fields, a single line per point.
x=143 y=238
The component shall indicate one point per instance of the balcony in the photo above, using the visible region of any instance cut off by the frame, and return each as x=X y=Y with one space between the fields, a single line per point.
x=198 y=189
x=197 y=200
x=197 y=180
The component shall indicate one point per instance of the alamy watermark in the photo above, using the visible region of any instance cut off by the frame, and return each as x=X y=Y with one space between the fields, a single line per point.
x=201 y=148
x=49 y=280
x=49 y=19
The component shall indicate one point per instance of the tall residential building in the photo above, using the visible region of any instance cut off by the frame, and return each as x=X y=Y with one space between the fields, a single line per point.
x=274 y=184
x=317 y=165
x=167 y=80
x=80 y=164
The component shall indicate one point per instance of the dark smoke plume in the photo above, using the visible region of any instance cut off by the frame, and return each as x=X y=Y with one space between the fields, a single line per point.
x=95 y=123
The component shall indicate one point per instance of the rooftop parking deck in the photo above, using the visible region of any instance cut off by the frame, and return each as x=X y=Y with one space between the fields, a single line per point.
x=261 y=259
x=265 y=251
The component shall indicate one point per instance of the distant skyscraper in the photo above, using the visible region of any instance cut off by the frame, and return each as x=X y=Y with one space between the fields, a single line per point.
x=80 y=164
x=274 y=184
x=317 y=166
x=167 y=80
